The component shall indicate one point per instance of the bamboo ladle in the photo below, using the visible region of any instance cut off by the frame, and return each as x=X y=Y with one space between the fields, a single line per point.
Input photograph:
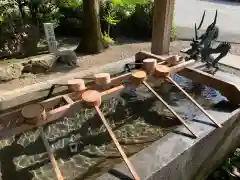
x=78 y=84
x=139 y=77
x=74 y=85
x=33 y=114
x=162 y=71
x=92 y=98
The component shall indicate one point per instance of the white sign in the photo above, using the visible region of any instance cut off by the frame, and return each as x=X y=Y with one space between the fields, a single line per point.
x=50 y=36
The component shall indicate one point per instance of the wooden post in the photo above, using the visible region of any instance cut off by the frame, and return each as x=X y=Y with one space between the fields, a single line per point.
x=162 y=24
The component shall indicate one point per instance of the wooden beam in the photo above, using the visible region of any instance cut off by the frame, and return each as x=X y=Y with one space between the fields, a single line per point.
x=162 y=24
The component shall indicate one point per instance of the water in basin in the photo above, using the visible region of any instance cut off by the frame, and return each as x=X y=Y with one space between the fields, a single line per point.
x=136 y=116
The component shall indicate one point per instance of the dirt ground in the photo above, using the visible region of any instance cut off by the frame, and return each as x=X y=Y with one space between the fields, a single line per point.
x=114 y=53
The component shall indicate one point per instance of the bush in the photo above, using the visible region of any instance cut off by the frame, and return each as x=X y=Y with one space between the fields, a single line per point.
x=229 y=169
x=21 y=23
x=118 y=17
x=70 y=23
x=173 y=32
x=139 y=22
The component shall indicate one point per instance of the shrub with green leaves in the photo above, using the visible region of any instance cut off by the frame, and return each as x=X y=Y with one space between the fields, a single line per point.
x=21 y=23
x=134 y=19
x=71 y=17
x=229 y=169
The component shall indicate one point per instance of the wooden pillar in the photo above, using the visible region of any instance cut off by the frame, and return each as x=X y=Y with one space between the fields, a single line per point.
x=162 y=23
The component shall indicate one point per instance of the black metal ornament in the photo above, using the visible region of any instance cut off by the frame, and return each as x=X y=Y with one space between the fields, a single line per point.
x=202 y=46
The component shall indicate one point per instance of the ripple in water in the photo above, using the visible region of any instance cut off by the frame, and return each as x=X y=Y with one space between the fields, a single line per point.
x=136 y=116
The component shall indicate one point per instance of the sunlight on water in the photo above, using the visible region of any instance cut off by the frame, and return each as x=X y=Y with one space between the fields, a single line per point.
x=136 y=116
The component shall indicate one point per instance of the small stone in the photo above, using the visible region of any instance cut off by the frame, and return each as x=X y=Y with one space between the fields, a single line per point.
x=11 y=71
x=67 y=57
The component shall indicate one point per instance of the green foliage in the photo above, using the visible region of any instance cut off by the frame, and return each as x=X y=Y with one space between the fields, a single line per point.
x=48 y=12
x=1 y=19
x=31 y=11
x=231 y=161
x=228 y=169
x=129 y=2
x=71 y=20
x=139 y=23
x=173 y=32
x=110 y=17
x=70 y=3
x=107 y=39
x=10 y=17
x=131 y=18
x=174 y=28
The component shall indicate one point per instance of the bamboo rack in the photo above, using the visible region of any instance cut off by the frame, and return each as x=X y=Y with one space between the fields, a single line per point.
x=10 y=120
x=104 y=84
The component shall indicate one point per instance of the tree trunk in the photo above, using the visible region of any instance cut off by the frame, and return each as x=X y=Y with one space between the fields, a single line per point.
x=92 y=41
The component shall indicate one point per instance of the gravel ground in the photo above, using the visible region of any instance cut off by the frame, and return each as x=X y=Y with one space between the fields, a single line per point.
x=115 y=53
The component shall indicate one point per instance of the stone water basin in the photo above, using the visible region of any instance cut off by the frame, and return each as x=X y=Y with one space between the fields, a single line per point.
x=136 y=116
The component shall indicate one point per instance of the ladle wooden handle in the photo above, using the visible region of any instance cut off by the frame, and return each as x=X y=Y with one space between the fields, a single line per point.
x=161 y=71
x=102 y=79
x=171 y=110
x=111 y=133
x=193 y=101
x=76 y=85
x=181 y=66
x=51 y=156
x=92 y=98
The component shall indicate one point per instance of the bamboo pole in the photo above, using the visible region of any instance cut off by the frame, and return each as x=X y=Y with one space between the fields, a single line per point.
x=51 y=155
x=163 y=71
x=92 y=98
x=170 y=109
x=121 y=151
x=140 y=76
x=194 y=102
